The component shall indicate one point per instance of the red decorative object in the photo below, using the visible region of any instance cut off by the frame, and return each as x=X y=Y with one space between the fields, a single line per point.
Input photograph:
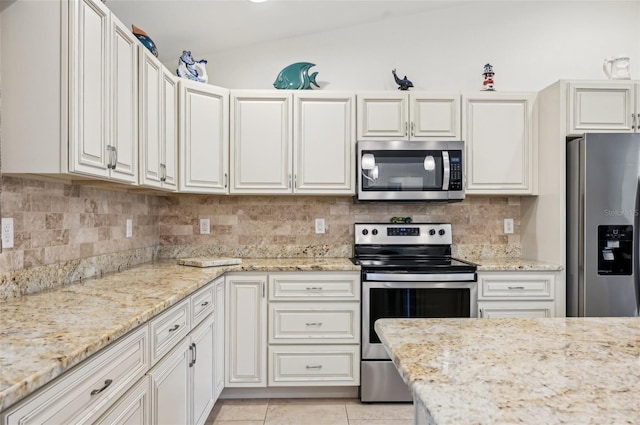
x=488 y=73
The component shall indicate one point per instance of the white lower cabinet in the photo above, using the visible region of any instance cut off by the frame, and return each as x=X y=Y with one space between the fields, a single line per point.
x=134 y=408
x=306 y=334
x=83 y=394
x=246 y=330
x=182 y=383
x=516 y=294
x=219 y=350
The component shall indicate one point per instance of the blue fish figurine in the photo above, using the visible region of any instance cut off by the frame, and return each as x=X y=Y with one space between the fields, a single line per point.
x=296 y=77
x=403 y=84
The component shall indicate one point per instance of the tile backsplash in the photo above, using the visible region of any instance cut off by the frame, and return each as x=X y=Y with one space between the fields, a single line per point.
x=283 y=226
x=65 y=232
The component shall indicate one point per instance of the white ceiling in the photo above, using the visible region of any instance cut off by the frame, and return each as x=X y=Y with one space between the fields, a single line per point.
x=211 y=26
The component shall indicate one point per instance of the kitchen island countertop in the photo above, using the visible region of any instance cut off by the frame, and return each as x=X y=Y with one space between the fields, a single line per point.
x=42 y=335
x=525 y=371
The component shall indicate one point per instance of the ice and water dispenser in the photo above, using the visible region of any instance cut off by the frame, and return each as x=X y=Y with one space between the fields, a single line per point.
x=615 y=243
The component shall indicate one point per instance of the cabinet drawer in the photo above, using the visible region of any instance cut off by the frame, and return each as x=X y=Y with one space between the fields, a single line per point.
x=314 y=365
x=304 y=322
x=86 y=391
x=310 y=286
x=518 y=286
x=201 y=304
x=169 y=328
x=497 y=309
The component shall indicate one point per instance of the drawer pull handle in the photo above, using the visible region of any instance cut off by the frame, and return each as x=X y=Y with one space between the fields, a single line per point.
x=204 y=304
x=174 y=328
x=516 y=287
x=314 y=288
x=314 y=366
x=314 y=323
x=106 y=384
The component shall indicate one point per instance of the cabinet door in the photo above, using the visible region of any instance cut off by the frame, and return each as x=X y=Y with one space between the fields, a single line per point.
x=89 y=88
x=261 y=143
x=383 y=116
x=124 y=111
x=493 y=309
x=219 y=351
x=246 y=331
x=324 y=143
x=169 y=130
x=170 y=389
x=203 y=388
x=204 y=138
x=150 y=121
x=501 y=153
x=434 y=116
x=601 y=107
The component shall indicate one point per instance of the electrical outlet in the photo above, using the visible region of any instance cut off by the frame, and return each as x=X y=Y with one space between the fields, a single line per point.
x=7 y=233
x=129 y=231
x=205 y=226
x=508 y=226
x=320 y=225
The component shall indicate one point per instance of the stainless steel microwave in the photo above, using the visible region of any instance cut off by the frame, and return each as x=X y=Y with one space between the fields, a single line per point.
x=411 y=171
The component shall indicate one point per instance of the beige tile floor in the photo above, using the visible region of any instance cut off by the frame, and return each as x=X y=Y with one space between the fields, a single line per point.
x=308 y=412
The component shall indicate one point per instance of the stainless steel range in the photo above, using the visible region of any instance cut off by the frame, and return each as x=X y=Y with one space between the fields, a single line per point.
x=407 y=272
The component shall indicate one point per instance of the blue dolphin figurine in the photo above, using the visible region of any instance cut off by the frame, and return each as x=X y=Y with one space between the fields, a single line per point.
x=296 y=76
x=403 y=84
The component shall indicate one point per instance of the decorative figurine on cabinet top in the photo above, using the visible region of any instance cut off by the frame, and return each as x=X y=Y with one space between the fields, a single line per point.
x=191 y=68
x=403 y=84
x=145 y=40
x=488 y=73
x=296 y=77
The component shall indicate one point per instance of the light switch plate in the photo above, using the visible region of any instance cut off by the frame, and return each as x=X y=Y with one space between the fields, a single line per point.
x=205 y=226
x=129 y=230
x=7 y=233
x=320 y=228
x=508 y=226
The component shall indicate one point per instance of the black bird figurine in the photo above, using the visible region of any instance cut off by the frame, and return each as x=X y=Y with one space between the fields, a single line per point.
x=403 y=84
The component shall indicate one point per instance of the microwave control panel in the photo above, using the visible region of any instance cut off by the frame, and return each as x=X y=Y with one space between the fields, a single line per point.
x=455 y=175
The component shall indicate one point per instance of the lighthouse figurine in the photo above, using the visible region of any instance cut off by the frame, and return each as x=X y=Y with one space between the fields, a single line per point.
x=488 y=73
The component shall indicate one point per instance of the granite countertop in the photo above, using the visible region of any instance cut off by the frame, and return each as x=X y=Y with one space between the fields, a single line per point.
x=513 y=264
x=44 y=334
x=525 y=371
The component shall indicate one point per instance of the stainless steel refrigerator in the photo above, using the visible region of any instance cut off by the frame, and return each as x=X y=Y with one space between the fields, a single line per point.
x=603 y=176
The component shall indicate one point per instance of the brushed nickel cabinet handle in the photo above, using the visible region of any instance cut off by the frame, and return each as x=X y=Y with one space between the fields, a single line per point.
x=314 y=323
x=406 y=128
x=204 y=304
x=413 y=130
x=174 y=328
x=315 y=366
x=516 y=287
x=106 y=385
x=314 y=288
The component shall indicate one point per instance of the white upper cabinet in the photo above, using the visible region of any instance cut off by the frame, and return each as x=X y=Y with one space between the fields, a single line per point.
x=499 y=130
x=204 y=138
x=81 y=118
x=603 y=107
x=261 y=142
x=408 y=116
x=324 y=143
x=158 y=124
x=124 y=88
x=283 y=142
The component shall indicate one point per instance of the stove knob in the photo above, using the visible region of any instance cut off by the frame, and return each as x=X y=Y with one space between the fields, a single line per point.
x=365 y=232
x=441 y=232
x=374 y=232
x=432 y=232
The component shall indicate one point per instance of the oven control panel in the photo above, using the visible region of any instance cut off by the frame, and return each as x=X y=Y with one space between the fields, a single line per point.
x=412 y=234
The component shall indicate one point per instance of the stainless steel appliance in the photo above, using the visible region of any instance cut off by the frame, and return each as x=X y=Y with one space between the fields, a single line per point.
x=410 y=171
x=603 y=204
x=407 y=272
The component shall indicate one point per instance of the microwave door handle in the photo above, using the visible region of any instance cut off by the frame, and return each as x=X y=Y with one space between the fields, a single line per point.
x=446 y=170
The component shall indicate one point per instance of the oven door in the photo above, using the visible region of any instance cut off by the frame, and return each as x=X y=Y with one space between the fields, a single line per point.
x=403 y=170
x=412 y=300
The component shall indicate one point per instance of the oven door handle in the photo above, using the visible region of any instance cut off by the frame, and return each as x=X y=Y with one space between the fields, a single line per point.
x=420 y=277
